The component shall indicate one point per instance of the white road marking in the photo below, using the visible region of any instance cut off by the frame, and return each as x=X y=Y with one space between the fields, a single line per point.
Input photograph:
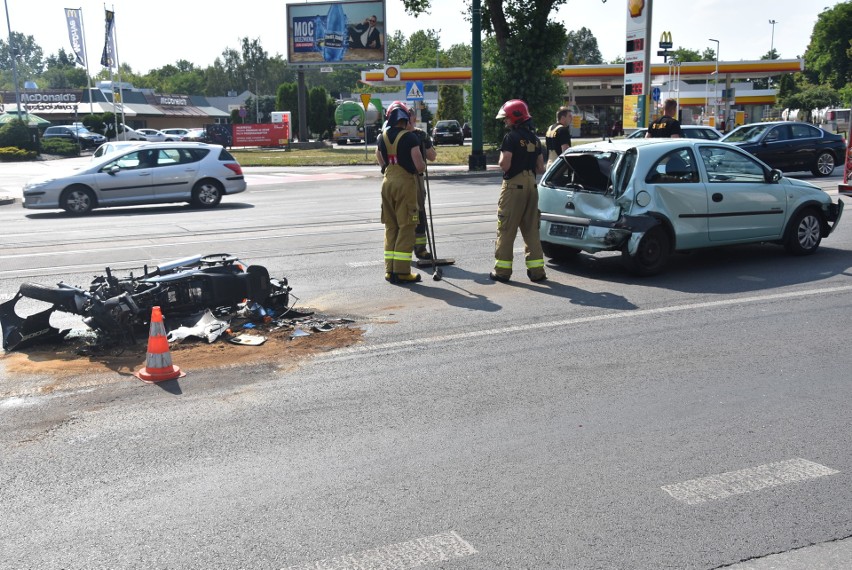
x=411 y=554
x=389 y=347
x=724 y=485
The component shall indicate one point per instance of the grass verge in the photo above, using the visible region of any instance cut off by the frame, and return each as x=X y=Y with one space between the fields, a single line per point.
x=337 y=156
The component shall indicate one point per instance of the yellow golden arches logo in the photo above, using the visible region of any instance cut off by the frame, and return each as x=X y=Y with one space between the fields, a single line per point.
x=666 y=38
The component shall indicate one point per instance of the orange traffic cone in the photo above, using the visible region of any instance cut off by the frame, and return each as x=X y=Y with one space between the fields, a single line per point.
x=158 y=364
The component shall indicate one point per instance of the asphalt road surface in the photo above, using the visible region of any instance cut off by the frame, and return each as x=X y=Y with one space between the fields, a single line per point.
x=698 y=419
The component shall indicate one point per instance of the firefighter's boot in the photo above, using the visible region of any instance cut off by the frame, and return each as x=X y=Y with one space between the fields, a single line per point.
x=421 y=253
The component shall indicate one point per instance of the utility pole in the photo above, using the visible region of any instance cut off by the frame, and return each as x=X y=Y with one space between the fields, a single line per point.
x=13 y=51
x=715 y=86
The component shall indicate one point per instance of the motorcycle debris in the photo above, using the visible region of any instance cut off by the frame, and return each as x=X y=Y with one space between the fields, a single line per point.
x=324 y=327
x=298 y=332
x=248 y=339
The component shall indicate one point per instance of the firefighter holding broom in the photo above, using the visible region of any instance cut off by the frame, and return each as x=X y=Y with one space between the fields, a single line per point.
x=398 y=154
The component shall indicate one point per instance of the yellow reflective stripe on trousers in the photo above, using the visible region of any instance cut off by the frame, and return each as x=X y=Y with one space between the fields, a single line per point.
x=401 y=256
x=500 y=264
x=388 y=255
x=534 y=263
x=421 y=240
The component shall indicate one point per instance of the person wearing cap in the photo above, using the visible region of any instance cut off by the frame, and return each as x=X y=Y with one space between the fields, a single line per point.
x=520 y=160
x=399 y=156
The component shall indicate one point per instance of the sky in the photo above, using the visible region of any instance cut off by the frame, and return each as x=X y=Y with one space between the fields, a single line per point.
x=155 y=33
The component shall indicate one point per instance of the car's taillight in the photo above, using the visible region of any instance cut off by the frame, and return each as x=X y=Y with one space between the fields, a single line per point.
x=235 y=167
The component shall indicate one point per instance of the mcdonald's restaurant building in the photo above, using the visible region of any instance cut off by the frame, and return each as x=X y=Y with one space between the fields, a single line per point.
x=140 y=108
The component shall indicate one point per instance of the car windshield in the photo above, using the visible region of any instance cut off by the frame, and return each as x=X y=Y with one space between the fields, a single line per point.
x=746 y=133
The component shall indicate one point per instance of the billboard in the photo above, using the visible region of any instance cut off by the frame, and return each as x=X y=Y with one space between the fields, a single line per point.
x=336 y=32
x=261 y=134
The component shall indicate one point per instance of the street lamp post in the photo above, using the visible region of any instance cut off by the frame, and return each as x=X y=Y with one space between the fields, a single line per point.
x=437 y=47
x=771 y=49
x=715 y=85
x=13 y=52
x=772 y=39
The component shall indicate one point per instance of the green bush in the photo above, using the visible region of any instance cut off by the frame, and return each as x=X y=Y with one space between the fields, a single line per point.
x=16 y=133
x=59 y=147
x=15 y=154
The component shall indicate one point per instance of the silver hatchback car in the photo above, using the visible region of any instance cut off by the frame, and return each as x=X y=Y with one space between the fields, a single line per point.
x=152 y=173
x=649 y=198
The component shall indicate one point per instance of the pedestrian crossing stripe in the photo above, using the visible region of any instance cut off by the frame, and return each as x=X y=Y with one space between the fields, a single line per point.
x=414 y=91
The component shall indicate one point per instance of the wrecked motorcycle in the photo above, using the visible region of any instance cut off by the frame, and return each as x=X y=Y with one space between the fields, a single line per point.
x=116 y=308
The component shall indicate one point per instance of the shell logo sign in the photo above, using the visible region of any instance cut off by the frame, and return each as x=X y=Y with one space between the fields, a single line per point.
x=392 y=73
x=635 y=7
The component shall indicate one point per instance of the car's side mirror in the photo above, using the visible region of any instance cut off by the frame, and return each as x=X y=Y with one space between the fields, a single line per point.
x=113 y=169
x=774 y=176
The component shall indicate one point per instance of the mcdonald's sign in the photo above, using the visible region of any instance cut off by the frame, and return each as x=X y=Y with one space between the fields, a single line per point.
x=666 y=40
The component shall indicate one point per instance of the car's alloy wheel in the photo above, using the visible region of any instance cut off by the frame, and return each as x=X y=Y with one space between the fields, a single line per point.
x=824 y=165
x=78 y=201
x=207 y=194
x=805 y=233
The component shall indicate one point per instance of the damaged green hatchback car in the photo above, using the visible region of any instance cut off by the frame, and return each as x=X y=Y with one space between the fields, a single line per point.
x=649 y=198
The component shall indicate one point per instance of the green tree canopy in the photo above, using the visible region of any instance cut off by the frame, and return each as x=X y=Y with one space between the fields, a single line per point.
x=828 y=59
x=581 y=48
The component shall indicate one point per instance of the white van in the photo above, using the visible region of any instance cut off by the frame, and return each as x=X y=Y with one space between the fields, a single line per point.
x=836 y=121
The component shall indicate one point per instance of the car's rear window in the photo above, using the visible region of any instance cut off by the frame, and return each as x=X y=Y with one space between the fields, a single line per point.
x=226 y=156
x=588 y=171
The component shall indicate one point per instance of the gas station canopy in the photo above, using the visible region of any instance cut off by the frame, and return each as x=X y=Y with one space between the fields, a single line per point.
x=594 y=75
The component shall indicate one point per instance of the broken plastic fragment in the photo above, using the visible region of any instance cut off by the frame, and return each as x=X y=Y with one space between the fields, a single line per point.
x=248 y=339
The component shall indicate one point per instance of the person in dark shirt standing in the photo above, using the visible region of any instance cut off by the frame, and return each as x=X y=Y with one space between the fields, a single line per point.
x=398 y=154
x=558 y=136
x=517 y=207
x=666 y=126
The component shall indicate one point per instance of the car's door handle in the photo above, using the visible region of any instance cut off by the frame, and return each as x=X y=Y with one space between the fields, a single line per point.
x=144 y=174
x=717 y=197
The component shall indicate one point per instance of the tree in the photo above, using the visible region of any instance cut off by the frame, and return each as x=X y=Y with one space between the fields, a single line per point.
x=581 y=48
x=685 y=54
x=320 y=121
x=811 y=98
x=61 y=72
x=528 y=47
x=29 y=59
x=828 y=59
x=450 y=103
x=254 y=60
x=527 y=51
x=287 y=99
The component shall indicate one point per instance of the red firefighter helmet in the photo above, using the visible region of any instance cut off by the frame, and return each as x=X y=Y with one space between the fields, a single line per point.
x=398 y=111
x=515 y=110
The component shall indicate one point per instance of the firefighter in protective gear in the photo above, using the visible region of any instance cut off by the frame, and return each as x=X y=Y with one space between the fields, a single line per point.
x=398 y=154
x=520 y=160
x=558 y=136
